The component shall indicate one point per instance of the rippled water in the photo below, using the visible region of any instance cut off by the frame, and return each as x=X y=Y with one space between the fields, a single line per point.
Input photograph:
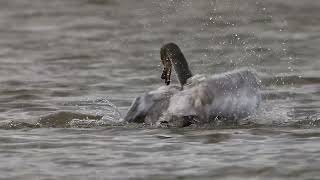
x=65 y=65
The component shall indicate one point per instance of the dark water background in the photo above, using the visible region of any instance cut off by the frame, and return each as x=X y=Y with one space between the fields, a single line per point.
x=64 y=63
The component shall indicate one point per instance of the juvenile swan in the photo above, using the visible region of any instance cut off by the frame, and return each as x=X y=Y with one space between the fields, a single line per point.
x=199 y=99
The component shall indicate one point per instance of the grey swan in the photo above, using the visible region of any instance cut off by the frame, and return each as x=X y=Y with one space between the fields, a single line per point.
x=199 y=99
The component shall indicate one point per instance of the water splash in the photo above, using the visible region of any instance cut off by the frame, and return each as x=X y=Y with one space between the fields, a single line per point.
x=101 y=107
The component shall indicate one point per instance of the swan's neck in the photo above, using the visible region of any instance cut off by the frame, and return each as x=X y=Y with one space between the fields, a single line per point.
x=181 y=67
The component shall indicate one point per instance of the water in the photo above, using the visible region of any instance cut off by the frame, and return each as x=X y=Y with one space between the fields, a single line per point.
x=65 y=65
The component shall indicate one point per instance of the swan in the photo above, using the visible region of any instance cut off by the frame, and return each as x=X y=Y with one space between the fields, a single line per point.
x=199 y=98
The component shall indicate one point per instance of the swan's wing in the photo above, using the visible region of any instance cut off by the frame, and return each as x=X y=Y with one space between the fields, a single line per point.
x=231 y=95
x=236 y=94
x=149 y=107
x=138 y=109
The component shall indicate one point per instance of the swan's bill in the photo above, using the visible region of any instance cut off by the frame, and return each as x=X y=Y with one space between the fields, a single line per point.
x=166 y=73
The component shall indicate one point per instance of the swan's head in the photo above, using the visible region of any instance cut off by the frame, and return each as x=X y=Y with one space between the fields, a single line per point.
x=165 y=53
x=171 y=55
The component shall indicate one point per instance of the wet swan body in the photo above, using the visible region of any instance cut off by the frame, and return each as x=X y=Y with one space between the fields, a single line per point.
x=198 y=99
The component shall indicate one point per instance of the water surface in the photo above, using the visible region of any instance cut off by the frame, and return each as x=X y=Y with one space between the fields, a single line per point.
x=65 y=65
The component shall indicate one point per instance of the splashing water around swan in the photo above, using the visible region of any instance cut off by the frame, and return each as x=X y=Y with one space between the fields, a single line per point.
x=199 y=98
x=85 y=113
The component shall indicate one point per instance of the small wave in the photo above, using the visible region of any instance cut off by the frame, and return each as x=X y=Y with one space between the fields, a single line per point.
x=64 y=119
x=290 y=80
x=85 y=114
x=8 y=125
x=77 y=114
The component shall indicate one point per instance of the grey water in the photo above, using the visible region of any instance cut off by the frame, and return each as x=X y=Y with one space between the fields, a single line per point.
x=69 y=71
